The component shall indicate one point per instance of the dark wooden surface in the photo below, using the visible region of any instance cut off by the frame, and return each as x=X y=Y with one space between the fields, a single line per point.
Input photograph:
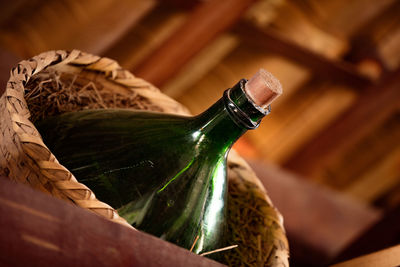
x=383 y=234
x=39 y=230
x=319 y=222
x=206 y=22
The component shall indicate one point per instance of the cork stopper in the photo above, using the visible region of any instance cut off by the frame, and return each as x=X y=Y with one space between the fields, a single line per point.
x=263 y=88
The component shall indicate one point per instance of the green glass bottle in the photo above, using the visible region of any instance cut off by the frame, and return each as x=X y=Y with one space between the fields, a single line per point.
x=165 y=174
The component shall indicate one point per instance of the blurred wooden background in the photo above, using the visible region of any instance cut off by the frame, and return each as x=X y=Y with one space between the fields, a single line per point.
x=329 y=153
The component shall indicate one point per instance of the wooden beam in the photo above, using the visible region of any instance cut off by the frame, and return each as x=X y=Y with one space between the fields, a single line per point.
x=39 y=230
x=206 y=22
x=370 y=110
x=330 y=69
x=364 y=40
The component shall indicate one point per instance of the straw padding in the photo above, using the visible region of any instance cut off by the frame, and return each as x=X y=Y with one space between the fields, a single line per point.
x=255 y=225
x=25 y=158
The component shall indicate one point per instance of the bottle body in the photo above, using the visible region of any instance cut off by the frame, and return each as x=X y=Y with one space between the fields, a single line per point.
x=165 y=174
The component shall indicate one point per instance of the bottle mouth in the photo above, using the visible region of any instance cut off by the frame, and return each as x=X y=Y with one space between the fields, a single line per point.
x=263 y=88
x=242 y=108
x=265 y=109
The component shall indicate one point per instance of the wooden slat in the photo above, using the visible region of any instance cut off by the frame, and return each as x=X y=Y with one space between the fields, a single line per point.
x=379 y=180
x=330 y=69
x=91 y=26
x=363 y=158
x=205 y=23
x=370 y=110
x=385 y=258
x=146 y=36
x=389 y=48
x=109 y=26
x=39 y=230
x=200 y=65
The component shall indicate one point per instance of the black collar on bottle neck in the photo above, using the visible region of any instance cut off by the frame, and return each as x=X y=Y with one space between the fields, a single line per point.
x=242 y=109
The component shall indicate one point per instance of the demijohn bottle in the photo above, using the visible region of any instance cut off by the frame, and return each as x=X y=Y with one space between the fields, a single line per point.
x=165 y=174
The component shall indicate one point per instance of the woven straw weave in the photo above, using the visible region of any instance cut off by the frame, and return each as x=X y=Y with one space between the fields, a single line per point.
x=25 y=158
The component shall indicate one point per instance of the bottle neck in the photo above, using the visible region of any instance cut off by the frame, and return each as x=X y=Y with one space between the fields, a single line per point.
x=229 y=118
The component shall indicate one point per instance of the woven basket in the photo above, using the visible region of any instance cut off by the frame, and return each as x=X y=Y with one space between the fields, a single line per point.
x=255 y=225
